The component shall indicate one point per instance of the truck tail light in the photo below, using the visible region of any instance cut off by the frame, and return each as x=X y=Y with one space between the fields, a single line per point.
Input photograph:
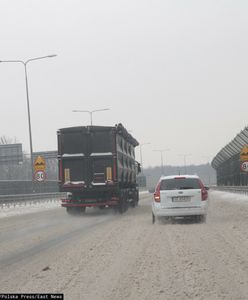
x=109 y=174
x=156 y=195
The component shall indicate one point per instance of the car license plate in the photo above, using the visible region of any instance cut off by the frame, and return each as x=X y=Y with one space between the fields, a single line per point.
x=181 y=199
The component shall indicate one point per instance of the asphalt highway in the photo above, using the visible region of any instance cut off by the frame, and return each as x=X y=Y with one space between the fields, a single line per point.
x=104 y=255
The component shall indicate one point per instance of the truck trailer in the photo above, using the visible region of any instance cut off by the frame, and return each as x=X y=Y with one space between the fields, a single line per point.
x=97 y=168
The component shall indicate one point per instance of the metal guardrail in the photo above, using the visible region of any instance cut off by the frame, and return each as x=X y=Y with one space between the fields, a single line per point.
x=17 y=187
x=232 y=189
x=13 y=200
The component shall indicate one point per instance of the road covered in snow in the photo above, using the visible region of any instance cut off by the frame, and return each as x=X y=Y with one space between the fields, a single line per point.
x=104 y=255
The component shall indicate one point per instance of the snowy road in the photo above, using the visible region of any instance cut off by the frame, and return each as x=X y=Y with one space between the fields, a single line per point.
x=103 y=255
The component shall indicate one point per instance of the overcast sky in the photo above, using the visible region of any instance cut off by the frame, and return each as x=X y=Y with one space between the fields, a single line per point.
x=174 y=73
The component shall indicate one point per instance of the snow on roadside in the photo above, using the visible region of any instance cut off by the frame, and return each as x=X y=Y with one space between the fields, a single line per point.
x=31 y=208
x=28 y=208
x=143 y=192
x=230 y=197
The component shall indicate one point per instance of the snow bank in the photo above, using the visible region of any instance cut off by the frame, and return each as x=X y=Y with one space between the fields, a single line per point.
x=27 y=209
x=227 y=196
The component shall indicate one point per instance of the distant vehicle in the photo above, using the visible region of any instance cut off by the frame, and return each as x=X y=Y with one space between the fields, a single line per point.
x=180 y=196
x=97 y=167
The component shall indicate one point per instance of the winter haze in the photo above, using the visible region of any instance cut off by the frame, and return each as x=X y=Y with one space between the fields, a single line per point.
x=174 y=73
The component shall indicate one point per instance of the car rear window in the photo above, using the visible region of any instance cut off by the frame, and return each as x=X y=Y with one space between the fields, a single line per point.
x=180 y=184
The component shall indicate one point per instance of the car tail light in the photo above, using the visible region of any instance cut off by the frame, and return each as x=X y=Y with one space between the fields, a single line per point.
x=156 y=195
x=204 y=192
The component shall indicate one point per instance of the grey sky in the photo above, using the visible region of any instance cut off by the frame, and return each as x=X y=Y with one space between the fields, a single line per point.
x=174 y=73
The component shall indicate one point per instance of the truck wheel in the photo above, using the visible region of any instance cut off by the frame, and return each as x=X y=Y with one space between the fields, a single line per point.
x=133 y=203
x=137 y=195
x=123 y=205
x=126 y=201
x=121 y=208
x=75 y=210
x=135 y=199
x=82 y=209
x=69 y=210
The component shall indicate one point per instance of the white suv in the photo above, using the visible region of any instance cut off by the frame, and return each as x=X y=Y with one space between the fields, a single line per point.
x=180 y=196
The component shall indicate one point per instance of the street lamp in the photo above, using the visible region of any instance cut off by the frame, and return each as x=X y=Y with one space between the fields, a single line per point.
x=208 y=166
x=184 y=161
x=27 y=93
x=207 y=157
x=141 y=163
x=162 y=161
x=90 y=112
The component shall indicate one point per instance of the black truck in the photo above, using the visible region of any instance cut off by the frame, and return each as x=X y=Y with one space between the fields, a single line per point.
x=97 y=167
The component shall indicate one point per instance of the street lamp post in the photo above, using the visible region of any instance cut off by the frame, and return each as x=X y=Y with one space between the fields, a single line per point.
x=162 y=160
x=184 y=161
x=24 y=63
x=141 y=162
x=90 y=112
x=208 y=163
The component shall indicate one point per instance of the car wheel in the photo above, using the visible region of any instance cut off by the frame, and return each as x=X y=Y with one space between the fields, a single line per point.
x=201 y=218
x=168 y=219
x=153 y=218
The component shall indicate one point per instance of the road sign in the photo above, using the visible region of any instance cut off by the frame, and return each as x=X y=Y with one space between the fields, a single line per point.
x=40 y=176
x=244 y=153
x=244 y=166
x=39 y=164
x=11 y=153
x=46 y=154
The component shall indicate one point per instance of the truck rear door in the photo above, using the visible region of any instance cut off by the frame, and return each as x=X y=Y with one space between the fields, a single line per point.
x=86 y=156
x=101 y=156
x=73 y=156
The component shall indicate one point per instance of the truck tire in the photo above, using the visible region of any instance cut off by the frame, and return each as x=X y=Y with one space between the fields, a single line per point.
x=123 y=205
x=137 y=198
x=82 y=209
x=69 y=210
x=75 y=210
x=126 y=201
x=133 y=203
